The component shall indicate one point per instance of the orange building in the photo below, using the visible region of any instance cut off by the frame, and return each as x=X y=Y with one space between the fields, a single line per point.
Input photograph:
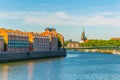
x=15 y=40
x=52 y=33
x=47 y=40
x=31 y=40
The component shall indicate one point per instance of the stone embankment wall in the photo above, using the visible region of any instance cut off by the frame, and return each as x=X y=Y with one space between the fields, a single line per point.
x=21 y=56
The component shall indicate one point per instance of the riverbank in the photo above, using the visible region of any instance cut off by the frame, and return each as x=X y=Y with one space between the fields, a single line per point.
x=103 y=51
x=23 y=56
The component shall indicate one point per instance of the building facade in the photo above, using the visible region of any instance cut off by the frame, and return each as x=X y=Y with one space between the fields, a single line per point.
x=18 y=41
x=41 y=43
x=54 y=43
x=15 y=40
x=73 y=45
x=1 y=44
x=52 y=32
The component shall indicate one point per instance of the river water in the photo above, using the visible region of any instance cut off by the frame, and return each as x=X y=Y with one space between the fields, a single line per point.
x=75 y=66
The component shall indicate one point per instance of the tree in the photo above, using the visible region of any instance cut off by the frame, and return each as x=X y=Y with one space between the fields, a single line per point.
x=101 y=43
x=59 y=42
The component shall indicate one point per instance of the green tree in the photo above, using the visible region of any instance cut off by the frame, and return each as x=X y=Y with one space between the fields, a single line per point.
x=101 y=43
x=59 y=42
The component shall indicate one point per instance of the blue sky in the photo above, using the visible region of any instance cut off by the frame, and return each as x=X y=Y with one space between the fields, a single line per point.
x=100 y=18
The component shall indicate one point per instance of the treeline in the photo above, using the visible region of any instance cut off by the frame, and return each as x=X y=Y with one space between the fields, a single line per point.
x=101 y=43
x=66 y=43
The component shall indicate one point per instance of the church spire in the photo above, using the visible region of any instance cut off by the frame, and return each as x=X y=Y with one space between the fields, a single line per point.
x=83 y=37
x=83 y=28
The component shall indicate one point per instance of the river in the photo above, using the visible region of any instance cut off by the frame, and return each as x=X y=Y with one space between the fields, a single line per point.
x=75 y=66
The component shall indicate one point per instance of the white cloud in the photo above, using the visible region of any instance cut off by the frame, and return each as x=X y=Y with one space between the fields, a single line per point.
x=57 y=18
x=62 y=18
x=103 y=21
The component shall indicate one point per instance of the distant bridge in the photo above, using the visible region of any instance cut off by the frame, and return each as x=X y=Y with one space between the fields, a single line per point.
x=95 y=47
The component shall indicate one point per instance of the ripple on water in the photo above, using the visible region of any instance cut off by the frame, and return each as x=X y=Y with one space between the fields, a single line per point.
x=76 y=66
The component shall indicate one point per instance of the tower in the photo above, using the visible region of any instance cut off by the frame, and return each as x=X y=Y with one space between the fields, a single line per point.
x=83 y=37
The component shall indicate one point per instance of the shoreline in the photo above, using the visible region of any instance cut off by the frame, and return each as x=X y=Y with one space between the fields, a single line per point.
x=108 y=51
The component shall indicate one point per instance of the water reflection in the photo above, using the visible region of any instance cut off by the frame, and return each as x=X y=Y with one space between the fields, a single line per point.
x=30 y=70
x=76 y=66
x=5 y=72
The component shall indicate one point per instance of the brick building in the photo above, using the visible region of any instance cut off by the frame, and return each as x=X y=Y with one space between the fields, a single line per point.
x=18 y=41
x=55 y=36
x=1 y=44
x=54 y=43
x=15 y=40
x=41 y=43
